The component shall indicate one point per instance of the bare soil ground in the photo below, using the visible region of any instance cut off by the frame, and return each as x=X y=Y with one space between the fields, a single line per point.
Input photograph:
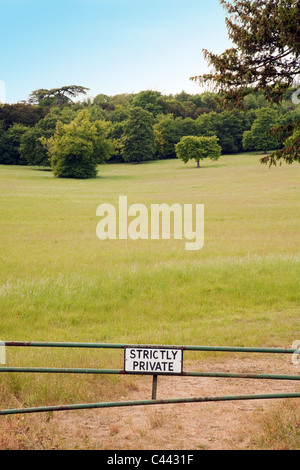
x=211 y=426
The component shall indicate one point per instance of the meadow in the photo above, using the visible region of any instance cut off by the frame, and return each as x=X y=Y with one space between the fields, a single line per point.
x=59 y=282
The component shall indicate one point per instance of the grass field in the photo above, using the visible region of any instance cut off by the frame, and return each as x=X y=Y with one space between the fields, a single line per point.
x=59 y=282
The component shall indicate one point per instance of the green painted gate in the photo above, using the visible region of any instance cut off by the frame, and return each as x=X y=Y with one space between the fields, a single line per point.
x=154 y=400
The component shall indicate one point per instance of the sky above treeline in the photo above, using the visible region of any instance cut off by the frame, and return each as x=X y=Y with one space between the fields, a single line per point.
x=109 y=46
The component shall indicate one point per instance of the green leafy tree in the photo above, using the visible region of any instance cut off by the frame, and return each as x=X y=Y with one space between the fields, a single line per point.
x=104 y=147
x=248 y=141
x=74 y=148
x=10 y=142
x=187 y=126
x=148 y=100
x=266 y=36
x=120 y=114
x=104 y=102
x=207 y=124
x=20 y=113
x=169 y=134
x=259 y=138
x=139 y=137
x=255 y=101
x=171 y=106
x=292 y=144
x=230 y=127
x=291 y=148
x=2 y=127
x=198 y=148
x=116 y=137
x=32 y=150
x=159 y=143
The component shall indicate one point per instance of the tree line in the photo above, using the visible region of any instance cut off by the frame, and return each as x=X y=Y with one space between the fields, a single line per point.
x=253 y=109
x=50 y=129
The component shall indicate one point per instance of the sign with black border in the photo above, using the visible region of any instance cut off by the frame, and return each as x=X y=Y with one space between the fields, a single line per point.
x=153 y=361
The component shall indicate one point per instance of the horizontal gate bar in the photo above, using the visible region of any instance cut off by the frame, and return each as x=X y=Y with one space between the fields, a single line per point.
x=122 y=346
x=122 y=372
x=148 y=403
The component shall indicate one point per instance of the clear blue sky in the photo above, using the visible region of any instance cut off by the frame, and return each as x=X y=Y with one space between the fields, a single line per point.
x=109 y=46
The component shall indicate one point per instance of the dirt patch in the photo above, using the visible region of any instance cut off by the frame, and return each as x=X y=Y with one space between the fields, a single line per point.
x=211 y=426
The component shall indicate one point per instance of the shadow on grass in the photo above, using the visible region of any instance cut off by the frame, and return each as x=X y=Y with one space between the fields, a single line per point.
x=203 y=167
x=41 y=169
x=98 y=177
x=115 y=177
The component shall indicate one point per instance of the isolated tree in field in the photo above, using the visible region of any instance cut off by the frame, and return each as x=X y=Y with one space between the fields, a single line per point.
x=139 y=136
x=56 y=96
x=266 y=55
x=198 y=148
x=74 y=148
x=259 y=138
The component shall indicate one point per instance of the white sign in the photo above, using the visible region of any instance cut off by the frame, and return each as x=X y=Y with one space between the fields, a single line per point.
x=153 y=361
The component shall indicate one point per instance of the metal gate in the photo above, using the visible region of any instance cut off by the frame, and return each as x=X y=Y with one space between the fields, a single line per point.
x=154 y=400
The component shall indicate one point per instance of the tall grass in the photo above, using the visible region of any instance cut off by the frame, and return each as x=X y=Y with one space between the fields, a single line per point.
x=279 y=429
x=58 y=282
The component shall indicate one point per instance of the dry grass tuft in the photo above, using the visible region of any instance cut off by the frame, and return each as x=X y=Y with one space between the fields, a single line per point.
x=278 y=429
x=21 y=433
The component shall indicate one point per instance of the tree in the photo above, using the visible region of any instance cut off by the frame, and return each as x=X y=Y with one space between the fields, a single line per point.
x=10 y=145
x=32 y=150
x=207 y=124
x=266 y=34
x=169 y=134
x=20 y=113
x=159 y=143
x=248 y=141
x=115 y=136
x=148 y=100
x=2 y=127
x=291 y=148
x=56 y=96
x=259 y=138
x=230 y=127
x=171 y=106
x=74 y=148
x=187 y=126
x=139 y=137
x=104 y=147
x=198 y=148
x=292 y=145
